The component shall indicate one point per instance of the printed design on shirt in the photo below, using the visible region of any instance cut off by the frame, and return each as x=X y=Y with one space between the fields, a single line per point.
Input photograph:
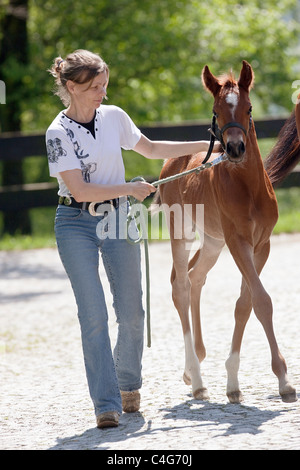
x=76 y=144
x=87 y=169
x=55 y=150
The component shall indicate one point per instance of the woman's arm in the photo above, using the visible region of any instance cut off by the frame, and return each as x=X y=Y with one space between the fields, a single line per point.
x=156 y=149
x=85 y=192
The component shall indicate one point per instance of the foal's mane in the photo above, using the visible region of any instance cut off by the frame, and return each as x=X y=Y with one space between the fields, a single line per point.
x=228 y=83
x=227 y=80
x=285 y=155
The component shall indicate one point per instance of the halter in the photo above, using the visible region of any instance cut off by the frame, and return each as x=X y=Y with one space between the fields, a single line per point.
x=216 y=133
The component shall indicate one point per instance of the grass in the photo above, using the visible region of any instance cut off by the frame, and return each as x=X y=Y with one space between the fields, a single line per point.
x=42 y=222
x=289 y=210
x=26 y=242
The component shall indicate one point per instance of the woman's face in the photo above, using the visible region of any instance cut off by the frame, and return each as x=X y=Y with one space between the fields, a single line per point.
x=90 y=95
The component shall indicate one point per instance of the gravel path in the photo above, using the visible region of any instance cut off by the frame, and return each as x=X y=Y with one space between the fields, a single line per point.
x=45 y=402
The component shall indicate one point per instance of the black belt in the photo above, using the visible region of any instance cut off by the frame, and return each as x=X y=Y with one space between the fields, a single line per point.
x=69 y=201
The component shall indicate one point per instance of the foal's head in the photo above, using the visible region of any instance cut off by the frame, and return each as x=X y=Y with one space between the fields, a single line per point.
x=232 y=108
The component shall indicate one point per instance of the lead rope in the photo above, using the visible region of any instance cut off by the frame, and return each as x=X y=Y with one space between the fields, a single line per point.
x=136 y=209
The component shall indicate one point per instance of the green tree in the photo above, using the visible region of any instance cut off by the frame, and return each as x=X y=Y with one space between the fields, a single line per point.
x=156 y=52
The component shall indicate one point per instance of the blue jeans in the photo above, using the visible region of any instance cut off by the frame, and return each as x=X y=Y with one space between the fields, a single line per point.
x=79 y=237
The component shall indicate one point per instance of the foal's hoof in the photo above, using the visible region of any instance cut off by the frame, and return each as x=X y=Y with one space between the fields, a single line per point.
x=201 y=394
x=289 y=397
x=235 y=397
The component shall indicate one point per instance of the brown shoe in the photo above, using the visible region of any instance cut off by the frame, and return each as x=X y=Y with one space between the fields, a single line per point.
x=110 y=419
x=131 y=401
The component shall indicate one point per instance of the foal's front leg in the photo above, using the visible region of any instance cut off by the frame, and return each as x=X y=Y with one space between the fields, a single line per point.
x=242 y=313
x=263 y=309
x=250 y=265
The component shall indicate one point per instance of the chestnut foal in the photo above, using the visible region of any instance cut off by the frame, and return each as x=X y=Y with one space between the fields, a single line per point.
x=241 y=211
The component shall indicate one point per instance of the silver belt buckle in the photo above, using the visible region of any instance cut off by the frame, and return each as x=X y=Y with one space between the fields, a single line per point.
x=101 y=208
x=92 y=208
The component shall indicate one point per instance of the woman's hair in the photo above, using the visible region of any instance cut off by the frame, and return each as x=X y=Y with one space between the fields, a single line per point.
x=80 y=66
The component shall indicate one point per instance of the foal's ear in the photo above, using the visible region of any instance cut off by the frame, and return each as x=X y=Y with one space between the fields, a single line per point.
x=210 y=82
x=246 y=79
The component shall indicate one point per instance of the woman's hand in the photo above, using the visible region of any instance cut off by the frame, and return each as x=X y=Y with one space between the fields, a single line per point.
x=82 y=191
x=140 y=189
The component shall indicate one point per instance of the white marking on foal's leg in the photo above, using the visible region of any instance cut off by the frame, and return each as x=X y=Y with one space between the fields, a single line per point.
x=192 y=369
x=233 y=388
x=232 y=99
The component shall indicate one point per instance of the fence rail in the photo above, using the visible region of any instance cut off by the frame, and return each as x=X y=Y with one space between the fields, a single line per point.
x=15 y=147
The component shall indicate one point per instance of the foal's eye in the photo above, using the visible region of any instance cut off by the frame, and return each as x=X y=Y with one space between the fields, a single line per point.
x=250 y=110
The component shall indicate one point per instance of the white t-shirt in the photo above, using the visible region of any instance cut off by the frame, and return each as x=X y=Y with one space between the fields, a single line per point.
x=71 y=146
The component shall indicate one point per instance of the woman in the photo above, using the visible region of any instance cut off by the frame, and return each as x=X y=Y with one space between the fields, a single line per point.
x=84 y=150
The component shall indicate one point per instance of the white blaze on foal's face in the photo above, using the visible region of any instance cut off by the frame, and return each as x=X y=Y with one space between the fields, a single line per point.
x=232 y=99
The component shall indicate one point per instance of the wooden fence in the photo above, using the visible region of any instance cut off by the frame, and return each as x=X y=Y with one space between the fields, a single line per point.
x=15 y=146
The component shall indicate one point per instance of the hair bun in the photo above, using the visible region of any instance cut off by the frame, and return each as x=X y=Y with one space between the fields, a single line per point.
x=58 y=64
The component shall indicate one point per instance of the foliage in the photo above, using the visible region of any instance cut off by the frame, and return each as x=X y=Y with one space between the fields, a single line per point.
x=156 y=52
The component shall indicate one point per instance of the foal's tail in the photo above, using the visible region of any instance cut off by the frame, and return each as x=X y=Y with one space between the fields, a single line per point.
x=285 y=154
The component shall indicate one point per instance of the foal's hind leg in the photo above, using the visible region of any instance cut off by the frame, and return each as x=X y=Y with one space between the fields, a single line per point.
x=199 y=266
x=181 y=298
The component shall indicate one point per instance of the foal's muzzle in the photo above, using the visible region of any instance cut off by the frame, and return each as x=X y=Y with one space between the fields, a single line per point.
x=234 y=141
x=235 y=151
